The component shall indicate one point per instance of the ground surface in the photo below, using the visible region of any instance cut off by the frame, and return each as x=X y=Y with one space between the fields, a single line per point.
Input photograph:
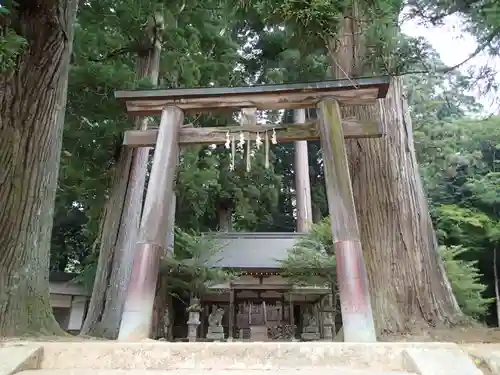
x=69 y=338
x=459 y=335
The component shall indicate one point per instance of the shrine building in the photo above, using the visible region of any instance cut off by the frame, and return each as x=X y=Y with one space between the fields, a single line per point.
x=260 y=304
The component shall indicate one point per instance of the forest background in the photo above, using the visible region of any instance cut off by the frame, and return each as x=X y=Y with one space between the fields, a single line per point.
x=458 y=151
x=215 y=43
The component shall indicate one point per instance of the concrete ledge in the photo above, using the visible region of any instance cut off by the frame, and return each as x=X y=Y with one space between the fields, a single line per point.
x=16 y=358
x=488 y=357
x=228 y=356
x=439 y=361
x=322 y=371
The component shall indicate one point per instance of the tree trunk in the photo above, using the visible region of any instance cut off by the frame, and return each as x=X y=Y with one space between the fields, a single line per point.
x=495 y=279
x=117 y=238
x=160 y=306
x=303 y=202
x=316 y=213
x=225 y=218
x=122 y=215
x=32 y=106
x=407 y=280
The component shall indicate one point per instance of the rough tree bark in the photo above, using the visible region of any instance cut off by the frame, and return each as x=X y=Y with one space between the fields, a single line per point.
x=122 y=213
x=225 y=215
x=32 y=106
x=495 y=280
x=161 y=303
x=407 y=280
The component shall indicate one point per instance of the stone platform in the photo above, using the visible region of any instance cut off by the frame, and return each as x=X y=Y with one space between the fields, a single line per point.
x=240 y=358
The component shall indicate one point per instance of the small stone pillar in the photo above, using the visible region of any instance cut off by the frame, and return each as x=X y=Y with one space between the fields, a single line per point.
x=231 y=315
x=328 y=322
x=194 y=319
x=291 y=315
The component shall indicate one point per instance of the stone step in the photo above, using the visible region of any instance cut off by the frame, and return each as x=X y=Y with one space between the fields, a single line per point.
x=226 y=356
x=262 y=358
x=298 y=371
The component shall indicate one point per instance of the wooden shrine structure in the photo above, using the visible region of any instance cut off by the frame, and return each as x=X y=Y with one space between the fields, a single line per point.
x=260 y=304
x=330 y=128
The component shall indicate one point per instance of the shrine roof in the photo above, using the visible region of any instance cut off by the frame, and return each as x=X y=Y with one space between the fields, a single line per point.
x=243 y=250
x=352 y=91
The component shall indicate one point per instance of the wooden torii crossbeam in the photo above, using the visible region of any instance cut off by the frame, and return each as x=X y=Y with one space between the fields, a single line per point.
x=284 y=133
x=298 y=95
x=288 y=96
x=330 y=128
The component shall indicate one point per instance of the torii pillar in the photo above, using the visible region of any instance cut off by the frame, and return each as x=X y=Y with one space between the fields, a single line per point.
x=357 y=315
x=153 y=231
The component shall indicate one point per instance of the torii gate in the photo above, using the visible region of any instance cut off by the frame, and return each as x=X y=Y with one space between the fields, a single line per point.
x=330 y=128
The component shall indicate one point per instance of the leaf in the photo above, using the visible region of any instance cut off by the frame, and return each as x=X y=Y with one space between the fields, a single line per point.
x=190 y=267
x=308 y=262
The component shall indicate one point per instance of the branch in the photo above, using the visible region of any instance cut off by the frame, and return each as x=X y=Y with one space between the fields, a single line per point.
x=114 y=53
x=153 y=32
x=478 y=50
x=448 y=69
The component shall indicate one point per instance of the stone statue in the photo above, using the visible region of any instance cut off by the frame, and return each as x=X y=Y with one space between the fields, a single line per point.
x=166 y=323
x=307 y=318
x=313 y=321
x=310 y=330
x=215 y=317
x=215 y=330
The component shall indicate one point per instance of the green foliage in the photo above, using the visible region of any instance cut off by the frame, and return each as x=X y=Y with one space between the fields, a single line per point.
x=465 y=279
x=196 y=52
x=11 y=45
x=462 y=225
x=70 y=247
x=311 y=26
x=189 y=268
x=486 y=189
x=313 y=21
x=308 y=262
x=458 y=157
x=201 y=44
x=279 y=42
x=205 y=183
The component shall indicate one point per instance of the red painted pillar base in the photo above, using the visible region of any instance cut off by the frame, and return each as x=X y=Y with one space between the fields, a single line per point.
x=138 y=309
x=357 y=315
